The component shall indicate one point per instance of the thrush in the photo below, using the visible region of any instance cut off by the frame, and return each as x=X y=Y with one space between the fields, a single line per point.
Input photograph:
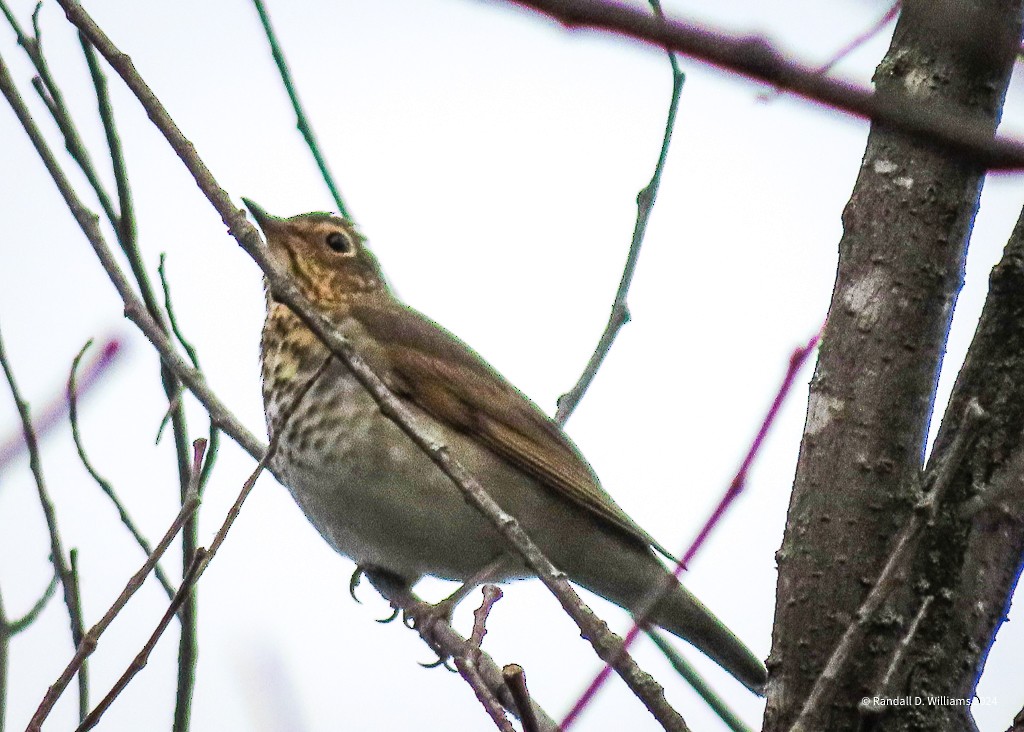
x=379 y=500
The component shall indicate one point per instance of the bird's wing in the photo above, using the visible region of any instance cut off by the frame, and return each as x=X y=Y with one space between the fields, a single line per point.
x=443 y=376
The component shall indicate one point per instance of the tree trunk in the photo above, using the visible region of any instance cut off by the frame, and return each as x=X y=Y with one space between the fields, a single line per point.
x=859 y=475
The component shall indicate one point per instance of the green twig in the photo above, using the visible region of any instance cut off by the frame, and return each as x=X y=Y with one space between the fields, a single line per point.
x=619 y=315
x=103 y=483
x=53 y=98
x=698 y=683
x=9 y=629
x=193 y=356
x=301 y=121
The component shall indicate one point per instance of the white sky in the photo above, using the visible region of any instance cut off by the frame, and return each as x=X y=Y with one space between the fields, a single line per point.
x=493 y=160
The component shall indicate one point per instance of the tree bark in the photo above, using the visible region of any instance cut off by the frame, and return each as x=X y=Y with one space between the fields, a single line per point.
x=901 y=266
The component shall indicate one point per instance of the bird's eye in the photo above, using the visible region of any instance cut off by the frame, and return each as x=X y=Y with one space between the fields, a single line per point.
x=338 y=242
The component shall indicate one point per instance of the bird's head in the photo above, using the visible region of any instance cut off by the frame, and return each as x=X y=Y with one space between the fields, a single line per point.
x=325 y=254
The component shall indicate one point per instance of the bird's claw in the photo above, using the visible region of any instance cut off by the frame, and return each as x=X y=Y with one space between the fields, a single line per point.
x=353 y=583
x=442 y=660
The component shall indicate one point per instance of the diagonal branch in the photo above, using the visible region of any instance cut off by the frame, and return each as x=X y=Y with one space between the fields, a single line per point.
x=756 y=59
x=607 y=646
x=89 y=641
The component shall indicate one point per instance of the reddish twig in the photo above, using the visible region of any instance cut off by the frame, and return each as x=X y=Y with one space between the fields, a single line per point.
x=54 y=412
x=736 y=486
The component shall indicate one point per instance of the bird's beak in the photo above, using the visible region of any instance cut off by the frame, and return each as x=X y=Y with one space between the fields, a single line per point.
x=265 y=220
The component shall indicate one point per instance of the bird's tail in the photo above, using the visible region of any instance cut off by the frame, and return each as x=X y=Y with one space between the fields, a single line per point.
x=632 y=578
x=683 y=615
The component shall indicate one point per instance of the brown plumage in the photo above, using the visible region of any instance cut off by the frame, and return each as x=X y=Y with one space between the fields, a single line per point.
x=377 y=499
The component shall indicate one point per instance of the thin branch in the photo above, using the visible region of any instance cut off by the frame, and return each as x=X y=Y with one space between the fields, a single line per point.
x=608 y=646
x=699 y=684
x=54 y=412
x=466 y=666
x=51 y=95
x=619 y=315
x=124 y=223
x=756 y=59
x=83 y=682
x=890 y=577
x=491 y=593
x=441 y=636
x=193 y=356
x=222 y=416
x=467 y=663
x=126 y=230
x=862 y=38
x=302 y=122
x=515 y=680
x=102 y=482
x=88 y=644
x=13 y=627
x=202 y=557
x=57 y=557
x=142 y=658
x=9 y=629
x=134 y=309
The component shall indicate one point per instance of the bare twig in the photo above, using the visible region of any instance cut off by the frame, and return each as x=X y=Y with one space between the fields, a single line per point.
x=756 y=59
x=57 y=557
x=88 y=644
x=142 y=658
x=13 y=627
x=446 y=640
x=862 y=38
x=102 y=482
x=134 y=308
x=193 y=356
x=10 y=628
x=467 y=670
x=606 y=644
x=201 y=558
x=83 y=682
x=53 y=413
x=619 y=315
x=849 y=48
x=302 y=122
x=492 y=593
x=515 y=680
x=888 y=579
x=699 y=684
x=126 y=230
x=51 y=95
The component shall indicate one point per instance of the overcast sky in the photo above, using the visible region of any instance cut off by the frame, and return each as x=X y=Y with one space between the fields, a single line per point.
x=493 y=160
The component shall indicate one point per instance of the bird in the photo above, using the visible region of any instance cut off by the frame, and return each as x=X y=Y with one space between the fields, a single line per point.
x=376 y=498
